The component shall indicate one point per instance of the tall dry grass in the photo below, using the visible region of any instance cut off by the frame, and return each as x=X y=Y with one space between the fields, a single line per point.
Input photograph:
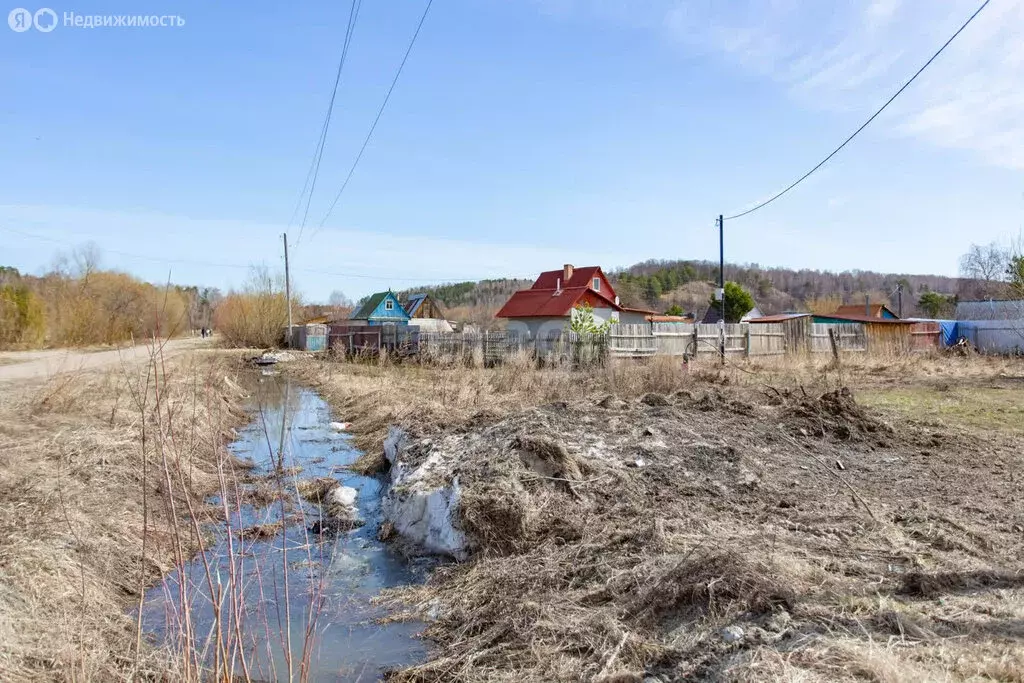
x=97 y=470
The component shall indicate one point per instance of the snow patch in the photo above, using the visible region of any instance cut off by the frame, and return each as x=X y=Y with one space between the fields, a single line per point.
x=422 y=510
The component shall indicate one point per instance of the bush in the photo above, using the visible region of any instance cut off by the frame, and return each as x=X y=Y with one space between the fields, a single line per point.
x=256 y=316
x=21 y=317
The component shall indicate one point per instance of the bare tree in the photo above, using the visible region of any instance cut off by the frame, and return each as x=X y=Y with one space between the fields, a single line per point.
x=983 y=270
x=337 y=299
x=87 y=258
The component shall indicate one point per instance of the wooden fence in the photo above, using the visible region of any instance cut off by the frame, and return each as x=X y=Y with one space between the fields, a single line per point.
x=467 y=348
x=678 y=339
x=742 y=340
x=848 y=336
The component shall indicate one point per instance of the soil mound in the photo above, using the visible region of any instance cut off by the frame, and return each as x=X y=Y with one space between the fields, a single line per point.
x=836 y=414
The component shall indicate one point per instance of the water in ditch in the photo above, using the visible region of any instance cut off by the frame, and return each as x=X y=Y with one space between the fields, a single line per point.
x=287 y=576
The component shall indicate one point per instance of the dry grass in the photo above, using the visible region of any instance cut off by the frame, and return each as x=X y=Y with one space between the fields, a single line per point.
x=96 y=472
x=845 y=543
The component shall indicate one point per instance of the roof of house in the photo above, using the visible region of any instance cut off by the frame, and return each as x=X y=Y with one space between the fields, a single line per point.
x=551 y=297
x=581 y=277
x=630 y=309
x=656 y=318
x=413 y=304
x=863 y=319
x=990 y=310
x=876 y=310
x=778 y=317
x=548 y=303
x=367 y=309
x=714 y=314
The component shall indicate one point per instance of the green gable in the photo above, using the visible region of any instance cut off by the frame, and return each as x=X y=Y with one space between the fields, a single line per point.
x=375 y=309
x=367 y=309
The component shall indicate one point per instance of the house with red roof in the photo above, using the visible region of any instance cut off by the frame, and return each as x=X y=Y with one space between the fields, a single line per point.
x=545 y=309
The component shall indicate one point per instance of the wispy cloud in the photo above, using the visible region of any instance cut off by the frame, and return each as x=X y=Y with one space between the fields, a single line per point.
x=850 y=55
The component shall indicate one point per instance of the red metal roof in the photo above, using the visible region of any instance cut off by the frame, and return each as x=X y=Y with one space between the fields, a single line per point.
x=581 y=277
x=550 y=297
x=542 y=303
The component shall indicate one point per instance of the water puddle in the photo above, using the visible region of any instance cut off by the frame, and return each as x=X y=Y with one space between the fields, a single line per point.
x=279 y=580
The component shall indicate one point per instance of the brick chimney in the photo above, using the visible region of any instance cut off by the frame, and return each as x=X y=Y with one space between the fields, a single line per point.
x=566 y=273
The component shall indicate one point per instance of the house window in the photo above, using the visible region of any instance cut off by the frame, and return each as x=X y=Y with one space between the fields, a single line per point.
x=389 y=305
x=597 y=284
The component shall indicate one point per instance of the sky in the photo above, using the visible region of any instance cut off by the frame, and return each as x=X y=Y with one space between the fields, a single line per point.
x=521 y=135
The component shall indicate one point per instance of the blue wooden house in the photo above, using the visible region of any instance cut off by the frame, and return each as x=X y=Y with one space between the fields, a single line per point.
x=379 y=309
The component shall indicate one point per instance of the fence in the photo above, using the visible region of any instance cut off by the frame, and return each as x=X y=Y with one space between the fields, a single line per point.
x=309 y=337
x=678 y=339
x=848 y=336
x=633 y=341
x=993 y=336
x=468 y=348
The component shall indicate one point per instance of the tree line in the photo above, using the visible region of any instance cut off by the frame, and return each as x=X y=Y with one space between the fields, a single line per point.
x=77 y=302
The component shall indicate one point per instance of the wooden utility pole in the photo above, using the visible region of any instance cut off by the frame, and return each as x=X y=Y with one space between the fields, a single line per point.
x=287 y=291
x=721 y=282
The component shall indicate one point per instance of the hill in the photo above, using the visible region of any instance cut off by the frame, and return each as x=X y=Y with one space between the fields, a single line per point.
x=689 y=284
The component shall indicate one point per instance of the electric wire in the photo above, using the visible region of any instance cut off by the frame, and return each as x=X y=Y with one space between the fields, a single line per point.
x=865 y=124
x=318 y=154
x=380 y=112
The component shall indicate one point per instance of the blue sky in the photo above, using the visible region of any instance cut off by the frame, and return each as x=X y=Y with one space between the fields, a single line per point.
x=523 y=134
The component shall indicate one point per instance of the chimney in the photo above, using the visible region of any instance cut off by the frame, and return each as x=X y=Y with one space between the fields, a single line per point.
x=558 y=286
x=567 y=272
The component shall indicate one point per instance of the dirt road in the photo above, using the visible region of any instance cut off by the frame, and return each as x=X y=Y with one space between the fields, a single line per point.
x=30 y=365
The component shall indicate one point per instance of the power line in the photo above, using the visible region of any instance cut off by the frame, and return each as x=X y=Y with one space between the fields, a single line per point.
x=865 y=124
x=380 y=112
x=318 y=154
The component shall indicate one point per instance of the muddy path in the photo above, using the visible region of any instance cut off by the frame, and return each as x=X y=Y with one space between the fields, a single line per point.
x=293 y=589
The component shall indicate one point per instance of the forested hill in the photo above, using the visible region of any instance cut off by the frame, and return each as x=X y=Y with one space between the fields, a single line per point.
x=689 y=284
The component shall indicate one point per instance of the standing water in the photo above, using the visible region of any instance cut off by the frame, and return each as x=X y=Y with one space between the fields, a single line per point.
x=302 y=595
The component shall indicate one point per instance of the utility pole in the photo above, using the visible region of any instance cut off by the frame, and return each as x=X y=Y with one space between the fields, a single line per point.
x=287 y=291
x=899 y=294
x=721 y=283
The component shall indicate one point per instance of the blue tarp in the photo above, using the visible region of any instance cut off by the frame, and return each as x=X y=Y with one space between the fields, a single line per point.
x=949 y=331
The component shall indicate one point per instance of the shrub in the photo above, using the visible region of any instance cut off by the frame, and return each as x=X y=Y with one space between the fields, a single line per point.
x=256 y=316
x=21 y=317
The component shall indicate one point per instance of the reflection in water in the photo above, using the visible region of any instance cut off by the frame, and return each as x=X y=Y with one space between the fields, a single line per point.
x=297 y=600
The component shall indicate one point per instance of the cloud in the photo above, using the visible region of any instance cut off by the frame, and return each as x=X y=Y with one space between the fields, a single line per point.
x=851 y=55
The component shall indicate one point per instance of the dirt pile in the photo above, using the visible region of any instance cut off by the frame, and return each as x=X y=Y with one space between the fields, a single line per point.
x=681 y=537
x=836 y=414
